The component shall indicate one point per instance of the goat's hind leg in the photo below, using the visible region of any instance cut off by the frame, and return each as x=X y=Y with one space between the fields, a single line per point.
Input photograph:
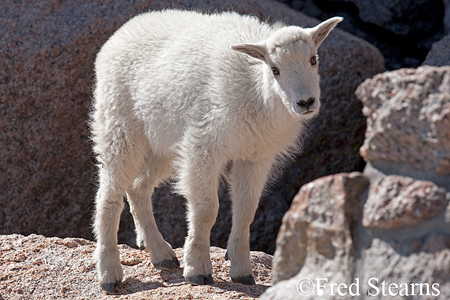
x=115 y=175
x=109 y=205
x=139 y=197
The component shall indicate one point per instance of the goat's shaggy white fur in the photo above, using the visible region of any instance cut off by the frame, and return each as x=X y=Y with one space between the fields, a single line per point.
x=182 y=93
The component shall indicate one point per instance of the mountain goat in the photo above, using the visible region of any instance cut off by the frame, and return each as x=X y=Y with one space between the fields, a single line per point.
x=183 y=94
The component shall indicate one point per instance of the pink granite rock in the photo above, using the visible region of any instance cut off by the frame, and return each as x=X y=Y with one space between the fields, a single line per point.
x=317 y=231
x=396 y=201
x=322 y=238
x=36 y=267
x=408 y=119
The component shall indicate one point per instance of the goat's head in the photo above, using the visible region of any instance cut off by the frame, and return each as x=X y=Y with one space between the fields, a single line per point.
x=291 y=64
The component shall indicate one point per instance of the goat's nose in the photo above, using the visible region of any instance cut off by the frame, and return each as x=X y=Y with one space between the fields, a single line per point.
x=306 y=103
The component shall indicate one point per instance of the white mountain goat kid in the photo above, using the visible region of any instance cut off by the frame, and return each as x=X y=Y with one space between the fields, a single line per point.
x=183 y=93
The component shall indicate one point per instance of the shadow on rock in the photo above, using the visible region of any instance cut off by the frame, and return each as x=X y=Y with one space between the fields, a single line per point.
x=133 y=285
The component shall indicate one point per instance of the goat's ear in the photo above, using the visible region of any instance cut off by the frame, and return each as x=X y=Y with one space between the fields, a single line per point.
x=257 y=50
x=321 y=31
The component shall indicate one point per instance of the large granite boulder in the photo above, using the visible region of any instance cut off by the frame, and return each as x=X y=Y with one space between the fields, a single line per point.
x=405 y=230
x=399 y=245
x=325 y=251
x=323 y=261
x=47 y=171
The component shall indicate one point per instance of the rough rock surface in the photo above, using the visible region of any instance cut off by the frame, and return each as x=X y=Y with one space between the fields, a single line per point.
x=403 y=30
x=419 y=260
x=407 y=142
x=402 y=17
x=439 y=54
x=401 y=201
x=35 y=267
x=447 y=16
x=46 y=73
x=316 y=239
x=330 y=243
x=317 y=231
x=408 y=119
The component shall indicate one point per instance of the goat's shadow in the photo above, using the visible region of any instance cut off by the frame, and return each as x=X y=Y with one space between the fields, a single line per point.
x=175 y=278
x=133 y=285
x=249 y=290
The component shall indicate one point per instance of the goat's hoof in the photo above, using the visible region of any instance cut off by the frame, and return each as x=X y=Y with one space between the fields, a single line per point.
x=247 y=280
x=112 y=287
x=168 y=264
x=142 y=248
x=200 y=279
x=226 y=256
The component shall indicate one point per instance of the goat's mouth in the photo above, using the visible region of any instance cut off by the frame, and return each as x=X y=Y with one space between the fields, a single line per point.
x=307 y=112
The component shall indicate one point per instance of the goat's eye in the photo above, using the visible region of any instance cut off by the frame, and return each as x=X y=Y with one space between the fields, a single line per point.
x=275 y=71
x=313 y=60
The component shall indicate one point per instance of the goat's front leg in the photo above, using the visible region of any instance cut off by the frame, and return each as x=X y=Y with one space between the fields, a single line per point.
x=247 y=182
x=198 y=182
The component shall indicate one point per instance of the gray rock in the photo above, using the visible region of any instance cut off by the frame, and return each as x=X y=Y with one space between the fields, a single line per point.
x=288 y=290
x=403 y=30
x=447 y=16
x=401 y=17
x=417 y=263
x=413 y=19
x=439 y=54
